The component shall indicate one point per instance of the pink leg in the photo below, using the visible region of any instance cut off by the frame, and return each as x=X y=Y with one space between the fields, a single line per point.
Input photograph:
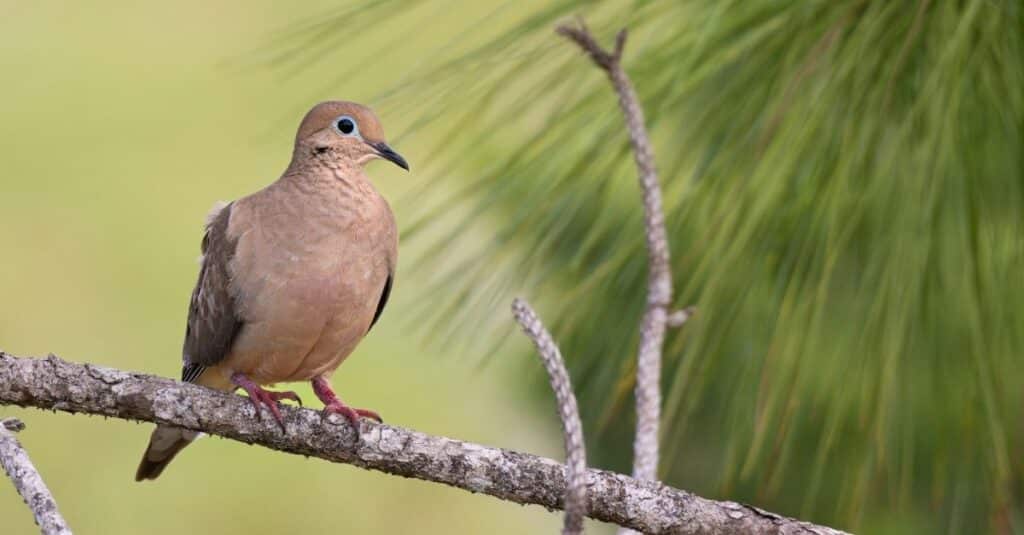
x=333 y=404
x=258 y=396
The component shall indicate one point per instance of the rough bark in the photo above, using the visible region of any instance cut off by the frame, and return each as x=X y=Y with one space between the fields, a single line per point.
x=659 y=277
x=568 y=412
x=28 y=482
x=646 y=506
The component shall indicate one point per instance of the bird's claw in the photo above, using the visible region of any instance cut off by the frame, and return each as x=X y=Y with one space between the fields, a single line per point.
x=351 y=414
x=258 y=396
x=272 y=400
x=334 y=405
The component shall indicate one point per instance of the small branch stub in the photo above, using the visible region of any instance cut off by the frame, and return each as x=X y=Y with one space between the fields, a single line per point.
x=679 y=317
x=13 y=424
x=28 y=482
x=568 y=411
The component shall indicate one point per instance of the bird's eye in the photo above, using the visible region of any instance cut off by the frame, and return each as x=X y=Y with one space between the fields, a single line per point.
x=347 y=126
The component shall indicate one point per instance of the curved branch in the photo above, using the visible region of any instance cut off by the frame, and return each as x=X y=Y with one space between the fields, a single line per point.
x=568 y=411
x=28 y=482
x=646 y=506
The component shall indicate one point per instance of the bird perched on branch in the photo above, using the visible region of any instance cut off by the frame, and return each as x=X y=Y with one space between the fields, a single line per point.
x=293 y=276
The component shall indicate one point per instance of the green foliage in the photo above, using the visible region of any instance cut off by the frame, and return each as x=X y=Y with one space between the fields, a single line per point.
x=843 y=182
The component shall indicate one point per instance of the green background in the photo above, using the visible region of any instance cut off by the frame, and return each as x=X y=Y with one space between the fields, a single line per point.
x=122 y=123
x=844 y=193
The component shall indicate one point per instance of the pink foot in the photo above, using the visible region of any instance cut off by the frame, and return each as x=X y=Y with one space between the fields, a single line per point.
x=258 y=396
x=332 y=404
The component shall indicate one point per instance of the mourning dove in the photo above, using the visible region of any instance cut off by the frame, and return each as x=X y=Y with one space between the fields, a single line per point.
x=293 y=276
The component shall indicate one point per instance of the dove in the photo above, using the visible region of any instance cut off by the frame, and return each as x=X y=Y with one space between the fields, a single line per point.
x=293 y=276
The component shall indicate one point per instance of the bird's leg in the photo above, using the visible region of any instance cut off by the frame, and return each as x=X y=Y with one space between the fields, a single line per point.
x=335 y=405
x=257 y=395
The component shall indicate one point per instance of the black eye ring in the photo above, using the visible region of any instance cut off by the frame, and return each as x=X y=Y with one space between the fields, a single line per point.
x=346 y=125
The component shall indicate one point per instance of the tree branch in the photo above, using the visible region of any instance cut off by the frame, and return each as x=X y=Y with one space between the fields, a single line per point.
x=568 y=411
x=646 y=506
x=659 y=277
x=27 y=480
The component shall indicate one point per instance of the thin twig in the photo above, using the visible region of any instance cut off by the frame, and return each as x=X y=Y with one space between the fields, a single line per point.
x=28 y=482
x=659 y=277
x=568 y=411
x=646 y=506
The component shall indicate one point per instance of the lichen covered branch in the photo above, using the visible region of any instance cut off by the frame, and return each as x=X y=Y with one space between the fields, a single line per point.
x=659 y=277
x=568 y=412
x=28 y=482
x=645 y=506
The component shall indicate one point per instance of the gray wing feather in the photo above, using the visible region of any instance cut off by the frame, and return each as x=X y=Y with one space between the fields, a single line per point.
x=213 y=320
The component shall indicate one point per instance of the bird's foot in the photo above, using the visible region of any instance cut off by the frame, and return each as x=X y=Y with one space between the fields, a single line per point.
x=258 y=396
x=350 y=413
x=334 y=405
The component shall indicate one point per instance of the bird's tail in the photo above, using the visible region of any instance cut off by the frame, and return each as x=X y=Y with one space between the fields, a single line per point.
x=164 y=444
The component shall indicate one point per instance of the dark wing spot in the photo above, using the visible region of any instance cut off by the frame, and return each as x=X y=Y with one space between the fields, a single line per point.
x=383 y=301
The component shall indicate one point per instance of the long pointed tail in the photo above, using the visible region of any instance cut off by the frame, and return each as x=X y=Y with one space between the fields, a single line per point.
x=164 y=444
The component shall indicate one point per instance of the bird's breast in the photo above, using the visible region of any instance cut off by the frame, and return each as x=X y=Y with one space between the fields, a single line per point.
x=307 y=294
x=311 y=277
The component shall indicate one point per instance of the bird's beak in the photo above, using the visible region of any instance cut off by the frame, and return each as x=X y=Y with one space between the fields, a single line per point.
x=386 y=152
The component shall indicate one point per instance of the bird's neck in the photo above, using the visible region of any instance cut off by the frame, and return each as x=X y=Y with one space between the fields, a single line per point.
x=328 y=179
x=327 y=198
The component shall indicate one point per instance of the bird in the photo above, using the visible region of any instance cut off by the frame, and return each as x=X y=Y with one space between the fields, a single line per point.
x=291 y=277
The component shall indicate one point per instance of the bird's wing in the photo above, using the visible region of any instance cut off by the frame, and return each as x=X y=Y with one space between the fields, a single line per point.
x=383 y=300
x=213 y=319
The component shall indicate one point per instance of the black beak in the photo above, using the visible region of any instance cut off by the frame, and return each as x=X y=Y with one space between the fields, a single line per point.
x=386 y=152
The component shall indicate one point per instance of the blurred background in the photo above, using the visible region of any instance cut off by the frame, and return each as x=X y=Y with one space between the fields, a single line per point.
x=844 y=188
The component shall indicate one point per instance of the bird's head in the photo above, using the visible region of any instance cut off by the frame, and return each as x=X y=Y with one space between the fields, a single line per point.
x=343 y=131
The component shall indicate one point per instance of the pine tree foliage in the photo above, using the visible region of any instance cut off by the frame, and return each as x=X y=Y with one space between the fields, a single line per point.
x=844 y=188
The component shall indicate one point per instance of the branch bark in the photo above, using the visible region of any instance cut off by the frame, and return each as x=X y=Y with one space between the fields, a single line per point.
x=568 y=412
x=28 y=482
x=645 y=506
x=659 y=277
